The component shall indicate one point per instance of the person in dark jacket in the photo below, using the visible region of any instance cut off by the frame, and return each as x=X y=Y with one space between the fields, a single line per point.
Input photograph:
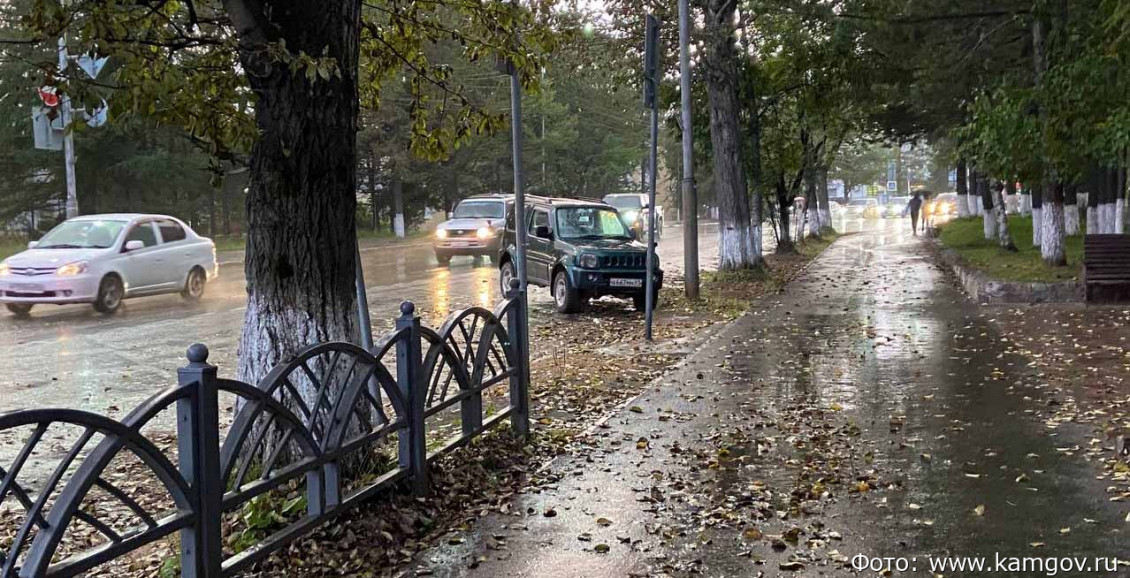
x=915 y=206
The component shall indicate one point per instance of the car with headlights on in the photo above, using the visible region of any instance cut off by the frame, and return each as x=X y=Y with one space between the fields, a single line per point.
x=581 y=250
x=475 y=228
x=634 y=209
x=103 y=259
x=895 y=207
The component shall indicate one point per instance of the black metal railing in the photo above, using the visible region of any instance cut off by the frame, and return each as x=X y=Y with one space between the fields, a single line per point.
x=303 y=426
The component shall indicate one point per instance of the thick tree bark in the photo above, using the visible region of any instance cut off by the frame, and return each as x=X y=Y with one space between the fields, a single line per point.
x=735 y=231
x=962 y=189
x=301 y=204
x=822 y=197
x=757 y=202
x=784 y=205
x=1051 y=244
x=1037 y=216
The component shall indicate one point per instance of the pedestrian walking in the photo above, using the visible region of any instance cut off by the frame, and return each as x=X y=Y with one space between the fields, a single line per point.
x=915 y=206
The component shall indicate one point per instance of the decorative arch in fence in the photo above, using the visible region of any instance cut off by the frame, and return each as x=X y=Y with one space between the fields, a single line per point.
x=333 y=404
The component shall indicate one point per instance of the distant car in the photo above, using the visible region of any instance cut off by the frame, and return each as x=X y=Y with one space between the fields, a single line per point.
x=634 y=210
x=943 y=206
x=103 y=259
x=580 y=250
x=895 y=207
x=867 y=208
x=475 y=228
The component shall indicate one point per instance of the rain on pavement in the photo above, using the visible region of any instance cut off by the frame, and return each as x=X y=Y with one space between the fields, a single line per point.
x=864 y=411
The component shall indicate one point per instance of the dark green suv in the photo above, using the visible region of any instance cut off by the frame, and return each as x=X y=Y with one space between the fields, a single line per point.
x=581 y=249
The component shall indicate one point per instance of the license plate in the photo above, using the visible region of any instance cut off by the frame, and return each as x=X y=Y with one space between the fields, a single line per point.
x=29 y=287
x=619 y=282
x=460 y=245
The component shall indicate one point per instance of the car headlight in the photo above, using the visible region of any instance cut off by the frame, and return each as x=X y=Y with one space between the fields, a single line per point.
x=72 y=268
x=588 y=261
x=5 y=269
x=441 y=233
x=631 y=216
x=484 y=232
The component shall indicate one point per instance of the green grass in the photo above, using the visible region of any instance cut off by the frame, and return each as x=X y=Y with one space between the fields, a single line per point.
x=967 y=238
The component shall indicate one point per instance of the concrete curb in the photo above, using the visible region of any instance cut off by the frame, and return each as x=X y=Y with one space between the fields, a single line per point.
x=984 y=289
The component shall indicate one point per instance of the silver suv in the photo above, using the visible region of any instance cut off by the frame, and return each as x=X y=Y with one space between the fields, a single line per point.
x=475 y=228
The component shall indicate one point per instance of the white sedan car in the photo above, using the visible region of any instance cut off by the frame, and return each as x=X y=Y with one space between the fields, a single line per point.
x=102 y=259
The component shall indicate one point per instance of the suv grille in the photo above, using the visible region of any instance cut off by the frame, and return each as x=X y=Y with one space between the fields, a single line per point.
x=32 y=271
x=460 y=232
x=627 y=261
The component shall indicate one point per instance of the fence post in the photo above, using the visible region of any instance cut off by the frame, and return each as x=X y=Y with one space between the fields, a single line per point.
x=519 y=348
x=198 y=451
x=409 y=370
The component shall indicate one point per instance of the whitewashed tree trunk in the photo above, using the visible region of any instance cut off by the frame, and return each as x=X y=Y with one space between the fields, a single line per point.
x=1071 y=220
x=1106 y=218
x=758 y=240
x=1000 y=209
x=1037 y=226
x=1025 y=204
x=989 y=222
x=1051 y=245
x=736 y=247
x=1092 y=221
x=1120 y=216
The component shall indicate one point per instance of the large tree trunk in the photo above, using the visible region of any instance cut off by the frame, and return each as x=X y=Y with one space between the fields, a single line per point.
x=1120 y=203
x=784 y=204
x=1000 y=211
x=1037 y=215
x=735 y=231
x=988 y=209
x=301 y=204
x=822 y=197
x=757 y=202
x=1051 y=243
x=962 y=189
x=1071 y=211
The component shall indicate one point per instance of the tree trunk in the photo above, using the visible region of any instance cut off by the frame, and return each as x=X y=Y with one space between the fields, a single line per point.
x=1037 y=217
x=1071 y=211
x=301 y=204
x=988 y=210
x=735 y=243
x=962 y=189
x=1000 y=211
x=1120 y=203
x=1051 y=243
x=757 y=215
x=784 y=203
x=822 y=197
x=397 y=204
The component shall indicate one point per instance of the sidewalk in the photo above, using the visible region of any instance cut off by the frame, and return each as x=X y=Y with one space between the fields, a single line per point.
x=866 y=410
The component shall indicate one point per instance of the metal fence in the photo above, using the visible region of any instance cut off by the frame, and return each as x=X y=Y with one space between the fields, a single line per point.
x=305 y=425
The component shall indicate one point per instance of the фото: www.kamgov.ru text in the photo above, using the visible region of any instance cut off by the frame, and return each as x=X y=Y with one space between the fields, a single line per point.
x=1046 y=566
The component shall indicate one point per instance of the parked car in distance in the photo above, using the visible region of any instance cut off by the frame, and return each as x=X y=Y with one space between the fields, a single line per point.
x=867 y=208
x=475 y=228
x=634 y=210
x=581 y=250
x=895 y=207
x=103 y=259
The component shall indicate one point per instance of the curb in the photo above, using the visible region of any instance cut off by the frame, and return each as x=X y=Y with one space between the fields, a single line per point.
x=984 y=289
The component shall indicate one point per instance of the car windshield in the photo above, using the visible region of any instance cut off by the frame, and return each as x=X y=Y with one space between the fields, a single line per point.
x=85 y=234
x=480 y=210
x=624 y=201
x=590 y=223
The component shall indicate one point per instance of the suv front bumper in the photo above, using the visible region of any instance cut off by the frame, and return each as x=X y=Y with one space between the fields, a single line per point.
x=598 y=282
x=468 y=246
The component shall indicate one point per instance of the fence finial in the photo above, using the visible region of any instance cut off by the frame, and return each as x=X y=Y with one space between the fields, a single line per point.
x=407 y=308
x=197 y=353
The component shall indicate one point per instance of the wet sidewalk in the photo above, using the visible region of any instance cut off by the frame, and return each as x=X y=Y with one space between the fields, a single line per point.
x=866 y=410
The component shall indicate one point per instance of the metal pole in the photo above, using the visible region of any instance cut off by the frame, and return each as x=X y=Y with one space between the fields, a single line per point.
x=690 y=194
x=519 y=193
x=68 y=138
x=364 y=322
x=649 y=284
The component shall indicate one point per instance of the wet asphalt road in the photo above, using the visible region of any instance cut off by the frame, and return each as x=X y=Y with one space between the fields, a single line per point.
x=71 y=356
x=864 y=411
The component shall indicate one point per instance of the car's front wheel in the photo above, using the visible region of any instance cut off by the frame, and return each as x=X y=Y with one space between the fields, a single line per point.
x=443 y=259
x=110 y=294
x=19 y=309
x=567 y=299
x=506 y=273
x=194 y=286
